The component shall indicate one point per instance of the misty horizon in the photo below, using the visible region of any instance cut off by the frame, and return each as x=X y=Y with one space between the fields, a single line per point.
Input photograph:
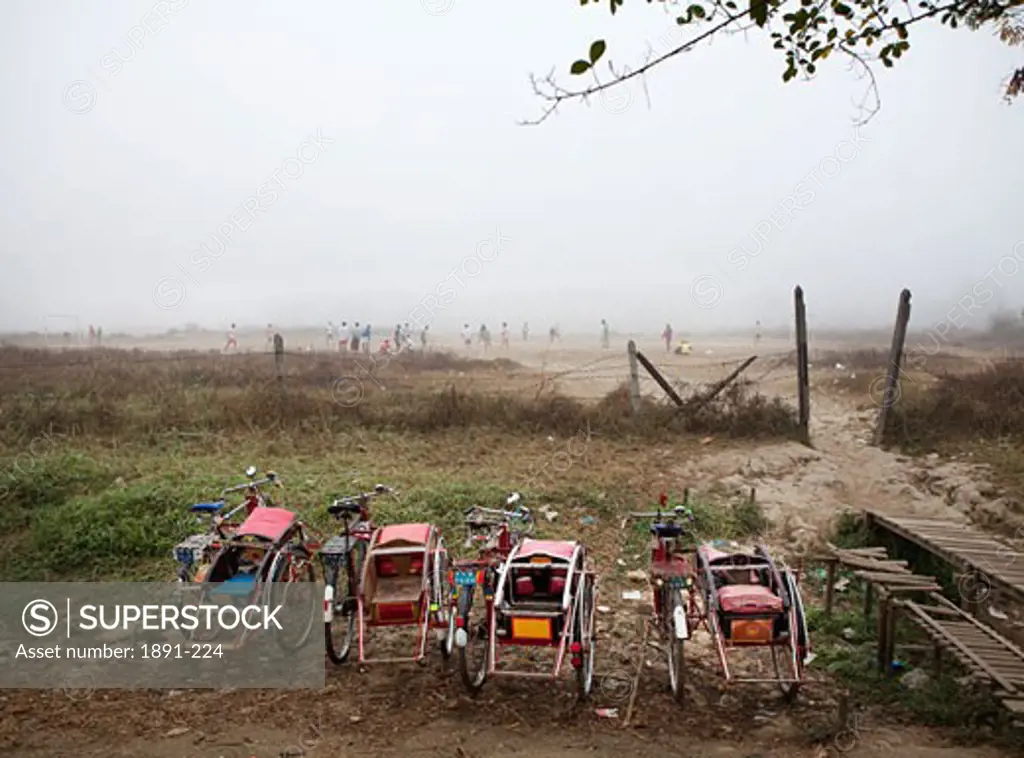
x=159 y=178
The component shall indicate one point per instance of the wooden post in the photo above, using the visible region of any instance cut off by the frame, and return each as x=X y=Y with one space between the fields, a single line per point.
x=830 y=587
x=892 y=378
x=802 y=370
x=869 y=590
x=279 y=361
x=883 y=627
x=891 y=611
x=662 y=382
x=634 y=378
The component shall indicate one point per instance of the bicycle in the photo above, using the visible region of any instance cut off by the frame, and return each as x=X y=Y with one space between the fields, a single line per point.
x=343 y=556
x=493 y=532
x=671 y=575
x=199 y=549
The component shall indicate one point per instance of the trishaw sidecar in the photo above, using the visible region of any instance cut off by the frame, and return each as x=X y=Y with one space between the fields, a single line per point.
x=752 y=602
x=544 y=595
x=405 y=583
x=259 y=563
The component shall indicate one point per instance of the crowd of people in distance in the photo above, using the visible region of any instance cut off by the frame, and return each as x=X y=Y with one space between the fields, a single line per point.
x=353 y=338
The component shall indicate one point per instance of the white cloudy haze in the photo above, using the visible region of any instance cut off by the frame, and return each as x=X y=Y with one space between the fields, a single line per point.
x=402 y=123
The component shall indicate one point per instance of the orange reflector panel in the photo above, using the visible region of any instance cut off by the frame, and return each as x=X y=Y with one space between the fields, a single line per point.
x=540 y=559
x=531 y=629
x=751 y=631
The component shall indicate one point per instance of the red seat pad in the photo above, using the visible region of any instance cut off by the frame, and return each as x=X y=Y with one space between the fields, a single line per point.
x=749 y=598
x=524 y=586
x=557 y=585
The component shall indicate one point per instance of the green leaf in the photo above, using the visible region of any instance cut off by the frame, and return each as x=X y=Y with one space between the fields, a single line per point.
x=579 y=67
x=759 y=11
x=597 y=49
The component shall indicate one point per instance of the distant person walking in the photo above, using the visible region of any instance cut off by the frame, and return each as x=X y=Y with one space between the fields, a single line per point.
x=526 y=331
x=99 y=336
x=757 y=333
x=270 y=338
x=343 y=332
x=92 y=335
x=467 y=336
x=329 y=334
x=485 y=337
x=423 y=337
x=605 y=336
x=354 y=336
x=554 y=334
x=232 y=343
x=397 y=334
x=667 y=336
x=504 y=334
x=367 y=336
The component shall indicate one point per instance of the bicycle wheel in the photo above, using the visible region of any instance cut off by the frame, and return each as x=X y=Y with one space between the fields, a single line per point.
x=672 y=602
x=341 y=608
x=475 y=655
x=293 y=585
x=585 y=637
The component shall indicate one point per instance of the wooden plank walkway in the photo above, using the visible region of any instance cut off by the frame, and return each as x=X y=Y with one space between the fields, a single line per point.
x=962 y=546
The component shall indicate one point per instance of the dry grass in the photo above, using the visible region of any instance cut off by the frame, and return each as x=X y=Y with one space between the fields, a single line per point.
x=111 y=393
x=985 y=405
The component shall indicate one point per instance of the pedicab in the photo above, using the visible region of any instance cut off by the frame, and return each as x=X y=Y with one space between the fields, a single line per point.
x=675 y=607
x=492 y=533
x=261 y=562
x=751 y=601
x=543 y=596
x=404 y=582
x=343 y=557
x=198 y=549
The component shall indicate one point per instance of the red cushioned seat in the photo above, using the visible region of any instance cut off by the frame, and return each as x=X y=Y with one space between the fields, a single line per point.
x=386 y=567
x=557 y=586
x=749 y=598
x=524 y=586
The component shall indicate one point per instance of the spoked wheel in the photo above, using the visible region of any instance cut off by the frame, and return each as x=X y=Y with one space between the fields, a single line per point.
x=293 y=584
x=442 y=601
x=789 y=689
x=674 y=644
x=340 y=606
x=584 y=636
x=475 y=655
x=798 y=641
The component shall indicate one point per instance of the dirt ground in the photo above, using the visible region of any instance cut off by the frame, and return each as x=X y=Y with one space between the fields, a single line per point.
x=401 y=711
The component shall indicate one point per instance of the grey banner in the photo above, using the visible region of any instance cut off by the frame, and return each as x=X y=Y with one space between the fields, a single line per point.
x=105 y=635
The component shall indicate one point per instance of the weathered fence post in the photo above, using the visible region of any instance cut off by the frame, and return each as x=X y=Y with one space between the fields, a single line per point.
x=279 y=362
x=634 y=378
x=892 y=378
x=803 y=380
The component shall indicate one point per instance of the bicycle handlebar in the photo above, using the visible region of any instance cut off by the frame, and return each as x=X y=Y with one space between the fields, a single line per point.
x=677 y=512
x=355 y=503
x=270 y=478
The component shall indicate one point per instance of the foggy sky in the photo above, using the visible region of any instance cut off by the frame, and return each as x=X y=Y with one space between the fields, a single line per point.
x=725 y=192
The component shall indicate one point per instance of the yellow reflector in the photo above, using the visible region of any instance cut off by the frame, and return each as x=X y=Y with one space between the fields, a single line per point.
x=531 y=629
x=540 y=559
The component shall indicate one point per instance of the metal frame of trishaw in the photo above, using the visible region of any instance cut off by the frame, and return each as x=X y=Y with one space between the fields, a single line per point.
x=199 y=549
x=559 y=615
x=749 y=601
x=268 y=551
x=404 y=582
